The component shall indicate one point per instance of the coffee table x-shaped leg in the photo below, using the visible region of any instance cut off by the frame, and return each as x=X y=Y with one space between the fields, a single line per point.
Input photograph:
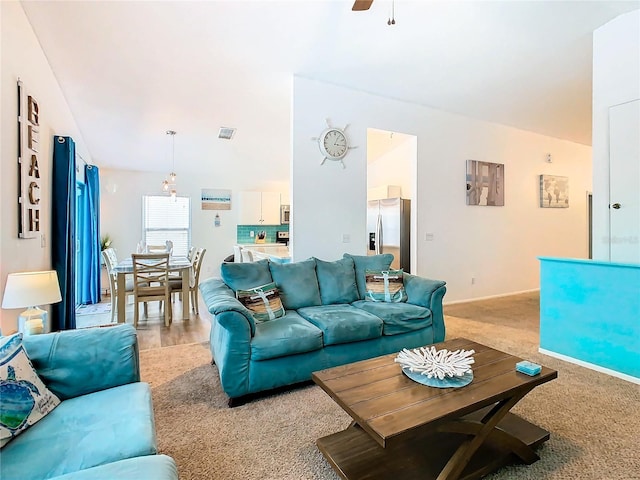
x=481 y=431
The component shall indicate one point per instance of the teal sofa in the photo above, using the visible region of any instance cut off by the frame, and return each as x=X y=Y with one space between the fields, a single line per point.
x=328 y=321
x=103 y=429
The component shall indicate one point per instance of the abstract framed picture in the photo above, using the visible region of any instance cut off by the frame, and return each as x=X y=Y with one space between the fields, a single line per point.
x=554 y=191
x=485 y=183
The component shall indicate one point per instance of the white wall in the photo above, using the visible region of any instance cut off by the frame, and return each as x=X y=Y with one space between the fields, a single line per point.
x=496 y=245
x=394 y=166
x=21 y=56
x=121 y=208
x=616 y=79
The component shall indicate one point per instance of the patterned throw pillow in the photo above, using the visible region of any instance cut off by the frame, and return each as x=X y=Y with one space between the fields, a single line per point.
x=385 y=286
x=263 y=302
x=24 y=399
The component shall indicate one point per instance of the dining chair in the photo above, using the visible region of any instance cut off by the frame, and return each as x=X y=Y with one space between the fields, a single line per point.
x=192 y=250
x=151 y=282
x=194 y=280
x=247 y=256
x=110 y=261
x=156 y=249
x=237 y=254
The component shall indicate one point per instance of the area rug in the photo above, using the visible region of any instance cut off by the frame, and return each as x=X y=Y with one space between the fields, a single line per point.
x=93 y=309
x=593 y=419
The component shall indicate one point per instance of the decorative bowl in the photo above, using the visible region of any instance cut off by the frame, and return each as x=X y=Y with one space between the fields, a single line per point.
x=437 y=368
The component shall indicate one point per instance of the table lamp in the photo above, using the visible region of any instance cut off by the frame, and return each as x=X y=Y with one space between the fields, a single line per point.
x=30 y=289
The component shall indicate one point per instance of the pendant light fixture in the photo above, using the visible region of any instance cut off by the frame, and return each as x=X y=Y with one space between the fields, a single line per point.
x=170 y=185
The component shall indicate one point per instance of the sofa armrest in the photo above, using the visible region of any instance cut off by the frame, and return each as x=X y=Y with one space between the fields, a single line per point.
x=219 y=298
x=76 y=362
x=232 y=327
x=428 y=293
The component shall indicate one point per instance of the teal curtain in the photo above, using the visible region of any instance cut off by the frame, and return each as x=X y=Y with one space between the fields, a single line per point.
x=63 y=241
x=88 y=230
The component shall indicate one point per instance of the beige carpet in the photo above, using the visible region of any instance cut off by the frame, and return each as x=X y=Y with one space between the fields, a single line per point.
x=594 y=419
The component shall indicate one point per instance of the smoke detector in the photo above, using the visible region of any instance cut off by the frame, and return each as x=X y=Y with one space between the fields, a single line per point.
x=226 y=133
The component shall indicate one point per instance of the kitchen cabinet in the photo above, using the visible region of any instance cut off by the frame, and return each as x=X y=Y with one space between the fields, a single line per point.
x=259 y=208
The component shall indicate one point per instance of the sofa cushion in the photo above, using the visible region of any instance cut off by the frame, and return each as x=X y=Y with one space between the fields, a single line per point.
x=83 y=432
x=362 y=263
x=297 y=283
x=397 y=317
x=24 y=398
x=385 y=286
x=242 y=276
x=157 y=467
x=283 y=336
x=67 y=363
x=263 y=302
x=343 y=323
x=337 y=281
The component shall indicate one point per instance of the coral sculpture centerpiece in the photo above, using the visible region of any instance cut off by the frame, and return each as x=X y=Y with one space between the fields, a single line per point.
x=437 y=364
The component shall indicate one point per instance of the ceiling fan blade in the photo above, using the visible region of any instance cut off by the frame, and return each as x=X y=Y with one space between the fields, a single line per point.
x=360 y=5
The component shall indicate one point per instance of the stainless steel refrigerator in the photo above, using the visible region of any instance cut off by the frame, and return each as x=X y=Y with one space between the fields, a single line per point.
x=389 y=227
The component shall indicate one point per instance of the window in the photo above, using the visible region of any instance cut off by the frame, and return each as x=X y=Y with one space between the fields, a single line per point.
x=165 y=218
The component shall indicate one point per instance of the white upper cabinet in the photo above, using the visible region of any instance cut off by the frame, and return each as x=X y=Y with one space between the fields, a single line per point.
x=259 y=208
x=270 y=208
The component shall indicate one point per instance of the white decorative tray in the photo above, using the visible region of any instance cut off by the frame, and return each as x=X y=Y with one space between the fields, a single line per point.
x=437 y=368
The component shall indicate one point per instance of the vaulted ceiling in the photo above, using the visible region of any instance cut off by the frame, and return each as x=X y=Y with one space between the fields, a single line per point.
x=131 y=70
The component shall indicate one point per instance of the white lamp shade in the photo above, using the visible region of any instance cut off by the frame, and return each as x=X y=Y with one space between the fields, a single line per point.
x=27 y=289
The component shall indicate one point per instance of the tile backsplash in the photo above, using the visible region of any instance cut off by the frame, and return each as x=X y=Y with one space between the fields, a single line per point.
x=243 y=234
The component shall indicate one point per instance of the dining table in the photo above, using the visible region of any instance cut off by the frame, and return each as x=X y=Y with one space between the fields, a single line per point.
x=179 y=264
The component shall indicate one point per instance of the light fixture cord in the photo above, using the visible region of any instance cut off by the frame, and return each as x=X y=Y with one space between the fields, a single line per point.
x=392 y=18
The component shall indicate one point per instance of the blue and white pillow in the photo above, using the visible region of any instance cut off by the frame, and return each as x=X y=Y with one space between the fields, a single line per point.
x=24 y=399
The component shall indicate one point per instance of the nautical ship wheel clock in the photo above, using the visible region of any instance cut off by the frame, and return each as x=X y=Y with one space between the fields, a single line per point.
x=333 y=143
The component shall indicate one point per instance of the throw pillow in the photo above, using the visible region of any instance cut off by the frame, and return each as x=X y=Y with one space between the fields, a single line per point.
x=385 y=286
x=337 y=281
x=263 y=302
x=362 y=263
x=242 y=276
x=297 y=283
x=24 y=399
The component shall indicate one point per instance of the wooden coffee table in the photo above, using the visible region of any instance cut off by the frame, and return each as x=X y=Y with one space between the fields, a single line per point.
x=405 y=430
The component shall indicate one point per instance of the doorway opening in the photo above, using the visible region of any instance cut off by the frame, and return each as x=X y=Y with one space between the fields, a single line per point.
x=392 y=159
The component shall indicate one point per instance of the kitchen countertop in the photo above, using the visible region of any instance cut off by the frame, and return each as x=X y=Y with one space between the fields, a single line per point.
x=276 y=252
x=248 y=245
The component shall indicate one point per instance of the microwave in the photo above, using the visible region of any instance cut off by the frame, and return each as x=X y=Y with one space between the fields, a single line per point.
x=285 y=214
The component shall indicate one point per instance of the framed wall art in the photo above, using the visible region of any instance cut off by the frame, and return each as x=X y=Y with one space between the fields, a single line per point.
x=554 y=191
x=216 y=199
x=485 y=183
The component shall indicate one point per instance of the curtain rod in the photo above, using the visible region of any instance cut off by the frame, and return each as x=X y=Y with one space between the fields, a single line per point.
x=83 y=160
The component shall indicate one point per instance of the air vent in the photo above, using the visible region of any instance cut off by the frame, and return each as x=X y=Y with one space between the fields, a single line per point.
x=226 y=133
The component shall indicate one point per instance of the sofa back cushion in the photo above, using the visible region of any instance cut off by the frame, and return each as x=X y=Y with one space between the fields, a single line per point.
x=243 y=276
x=76 y=362
x=337 y=281
x=362 y=263
x=297 y=283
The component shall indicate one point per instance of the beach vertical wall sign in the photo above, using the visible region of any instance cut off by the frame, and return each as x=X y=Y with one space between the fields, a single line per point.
x=29 y=179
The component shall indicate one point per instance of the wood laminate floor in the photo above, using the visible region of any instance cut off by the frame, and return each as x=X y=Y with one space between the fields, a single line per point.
x=152 y=332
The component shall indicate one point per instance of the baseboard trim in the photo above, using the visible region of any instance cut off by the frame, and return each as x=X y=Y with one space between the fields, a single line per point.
x=590 y=366
x=491 y=296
